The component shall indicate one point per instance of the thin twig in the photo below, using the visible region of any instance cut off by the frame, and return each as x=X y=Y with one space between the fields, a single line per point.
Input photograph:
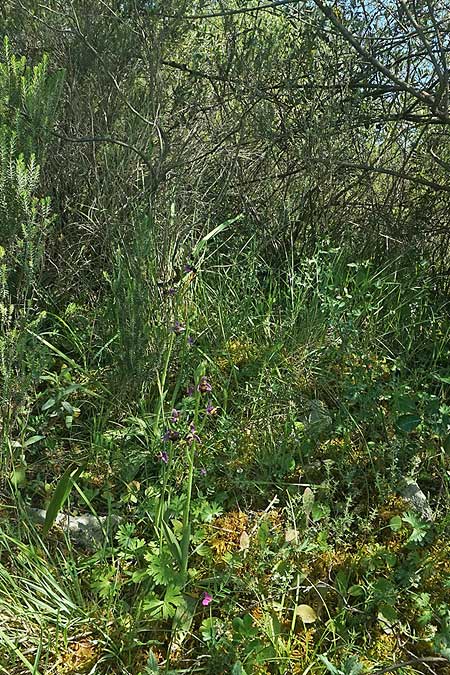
x=411 y=662
x=231 y=12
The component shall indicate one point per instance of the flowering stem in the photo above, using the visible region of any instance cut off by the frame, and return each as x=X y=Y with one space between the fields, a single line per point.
x=162 y=396
x=187 y=507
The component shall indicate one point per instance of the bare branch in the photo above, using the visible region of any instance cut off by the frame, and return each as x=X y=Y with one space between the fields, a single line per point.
x=231 y=12
x=411 y=662
x=420 y=95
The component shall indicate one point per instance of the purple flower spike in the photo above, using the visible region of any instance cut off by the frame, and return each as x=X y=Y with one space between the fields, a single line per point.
x=164 y=457
x=175 y=415
x=207 y=598
x=171 y=435
x=178 y=328
x=204 y=386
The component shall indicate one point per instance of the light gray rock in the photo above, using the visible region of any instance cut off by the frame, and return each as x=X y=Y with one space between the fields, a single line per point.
x=86 y=530
x=416 y=498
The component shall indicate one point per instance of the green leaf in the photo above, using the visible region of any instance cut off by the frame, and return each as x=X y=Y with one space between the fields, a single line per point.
x=406 y=404
x=172 y=543
x=32 y=440
x=166 y=608
x=320 y=511
x=408 y=422
x=263 y=534
x=352 y=666
x=152 y=664
x=442 y=378
x=161 y=568
x=238 y=669
x=202 y=243
x=388 y=612
x=18 y=477
x=48 y=404
x=329 y=666
x=341 y=581
x=61 y=494
x=420 y=528
x=182 y=621
x=211 y=629
x=395 y=523
x=356 y=590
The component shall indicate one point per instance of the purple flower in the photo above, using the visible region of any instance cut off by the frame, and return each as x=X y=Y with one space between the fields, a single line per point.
x=188 y=268
x=204 y=386
x=171 y=291
x=189 y=391
x=175 y=415
x=211 y=409
x=192 y=435
x=163 y=456
x=203 y=471
x=178 y=328
x=171 y=435
x=190 y=340
x=207 y=598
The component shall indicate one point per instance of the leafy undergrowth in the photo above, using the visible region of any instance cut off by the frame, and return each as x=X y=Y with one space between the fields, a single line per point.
x=254 y=476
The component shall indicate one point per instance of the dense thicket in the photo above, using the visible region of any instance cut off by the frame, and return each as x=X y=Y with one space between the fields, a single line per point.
x=311 y=121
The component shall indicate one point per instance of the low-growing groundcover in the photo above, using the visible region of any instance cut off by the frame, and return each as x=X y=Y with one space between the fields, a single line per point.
x=252 y=476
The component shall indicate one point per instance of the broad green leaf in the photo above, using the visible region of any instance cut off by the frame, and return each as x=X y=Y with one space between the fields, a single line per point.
x=395 y=523
x=61 y=494
x=408 y=422
x=33 y=440
x=18 y=477
x=420 y=527
x=388 y=612
x=211 y=629
x=406 y=404
x=238 y=669
x=48 y=404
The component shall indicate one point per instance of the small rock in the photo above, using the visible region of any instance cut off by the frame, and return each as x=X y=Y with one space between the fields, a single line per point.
x=86 y=530
x=416 y=498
